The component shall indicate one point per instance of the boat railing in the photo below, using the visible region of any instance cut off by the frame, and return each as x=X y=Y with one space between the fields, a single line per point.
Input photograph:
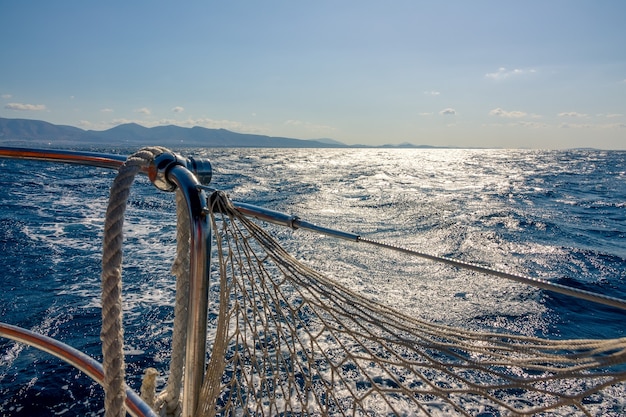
x=93 y=369
x=191 y=177
x=168 y=172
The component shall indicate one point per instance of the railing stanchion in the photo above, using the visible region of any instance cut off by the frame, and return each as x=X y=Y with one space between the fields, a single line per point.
x=200 y=238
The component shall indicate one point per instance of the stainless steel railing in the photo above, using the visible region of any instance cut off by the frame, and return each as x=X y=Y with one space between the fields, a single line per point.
x=168 y=172
x=92 y=368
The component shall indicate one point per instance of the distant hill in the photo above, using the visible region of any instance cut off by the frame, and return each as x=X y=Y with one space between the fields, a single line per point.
x=25 y=132
x=36 y=130
x=330 y=141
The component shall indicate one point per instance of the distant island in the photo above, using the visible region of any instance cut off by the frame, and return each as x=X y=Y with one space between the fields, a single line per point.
x=26 y=132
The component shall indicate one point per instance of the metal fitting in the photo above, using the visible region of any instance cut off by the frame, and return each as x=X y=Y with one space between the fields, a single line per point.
x=201 y=168
x=158 y=169
x=163 y=163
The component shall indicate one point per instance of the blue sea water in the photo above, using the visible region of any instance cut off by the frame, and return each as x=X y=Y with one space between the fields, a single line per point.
x=557 y=215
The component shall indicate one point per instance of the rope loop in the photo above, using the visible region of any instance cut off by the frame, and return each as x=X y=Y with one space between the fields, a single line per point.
x=112 y=335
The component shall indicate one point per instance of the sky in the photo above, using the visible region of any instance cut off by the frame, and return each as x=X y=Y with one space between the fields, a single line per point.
x=546 y=74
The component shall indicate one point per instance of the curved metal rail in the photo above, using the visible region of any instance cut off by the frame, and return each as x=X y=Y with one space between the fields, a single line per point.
x=101 y=160
x=201 y=168
x=92 y=368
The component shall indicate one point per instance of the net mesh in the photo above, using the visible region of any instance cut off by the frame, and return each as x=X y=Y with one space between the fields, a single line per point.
x=292 y=342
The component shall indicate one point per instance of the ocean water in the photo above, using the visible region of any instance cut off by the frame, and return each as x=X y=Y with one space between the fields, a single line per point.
x=557 y=215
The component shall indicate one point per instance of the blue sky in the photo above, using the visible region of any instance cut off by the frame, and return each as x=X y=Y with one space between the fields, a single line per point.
x=538 y=74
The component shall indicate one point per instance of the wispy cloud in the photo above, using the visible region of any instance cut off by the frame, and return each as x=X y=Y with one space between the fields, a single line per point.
x=448 y=112
x=216 y=124
x=515 y=114
x=531 y=125
x=25 y=107
x=572 y=114
x=432 y=93
x=503 y=73
x=144 y=110
x=106 y=110
x=575 y=126
x=7 y=96
x=592 y=126
x=614 y=126
x=426 y=114
x=310 y=126
x=178 y=109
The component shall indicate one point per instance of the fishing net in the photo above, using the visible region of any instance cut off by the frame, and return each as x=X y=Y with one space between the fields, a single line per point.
x=291 y=342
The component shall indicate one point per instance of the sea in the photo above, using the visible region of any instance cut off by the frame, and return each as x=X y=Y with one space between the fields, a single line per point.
x=556 y=215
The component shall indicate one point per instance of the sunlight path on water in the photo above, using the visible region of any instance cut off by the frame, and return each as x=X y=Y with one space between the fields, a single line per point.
x=554 y=215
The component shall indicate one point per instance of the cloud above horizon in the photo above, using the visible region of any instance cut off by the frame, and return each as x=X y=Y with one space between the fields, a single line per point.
x=448 y=112
x=178 y=109
x=515 y=114
x=144 y=110
x=502 y=73
x=572 y=114
x=310 y=126
x=25 y=107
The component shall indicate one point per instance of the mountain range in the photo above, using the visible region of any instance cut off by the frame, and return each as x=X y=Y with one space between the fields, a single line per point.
x=36 y=132
x=26 y=132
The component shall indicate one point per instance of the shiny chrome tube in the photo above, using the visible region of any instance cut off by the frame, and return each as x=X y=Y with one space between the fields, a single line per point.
x=290 y=220
x=201 y=168
x=101 y=160
x=92 y=368
x=200 y=235
x=271 y=216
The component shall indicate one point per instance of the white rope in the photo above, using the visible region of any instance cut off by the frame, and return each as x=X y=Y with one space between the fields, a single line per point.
x=168 y=401
x=148 y=386
x=112 y=335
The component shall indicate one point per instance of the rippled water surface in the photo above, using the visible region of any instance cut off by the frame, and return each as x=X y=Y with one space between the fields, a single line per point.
x=558 y=215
